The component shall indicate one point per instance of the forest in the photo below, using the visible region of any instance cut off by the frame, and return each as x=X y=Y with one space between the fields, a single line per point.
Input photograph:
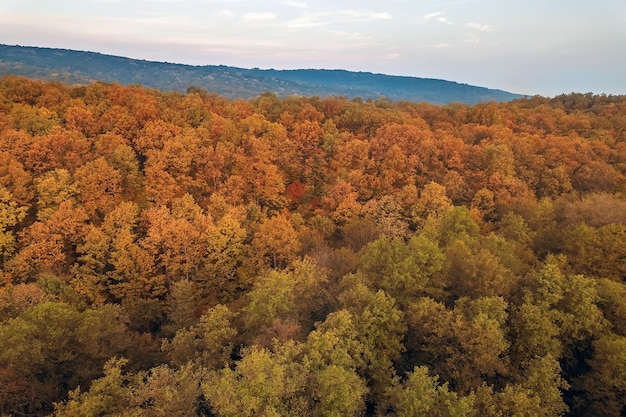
x=183 y=254
x=81 y=67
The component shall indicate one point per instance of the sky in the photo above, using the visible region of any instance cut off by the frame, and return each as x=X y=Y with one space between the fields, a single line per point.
x=544 y=47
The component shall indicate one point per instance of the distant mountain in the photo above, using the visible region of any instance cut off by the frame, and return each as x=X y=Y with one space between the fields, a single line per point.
x=78 y=67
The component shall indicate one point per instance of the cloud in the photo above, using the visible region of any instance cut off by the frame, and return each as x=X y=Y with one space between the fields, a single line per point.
x=370 y=15
x=308 y=20
x=478 y=26
x=225 y=13
x=351 y=36
x=431 y=15
x=296 y=4
x=254 y=16
x=305 y=22
x=439 y=45
x=439 y=16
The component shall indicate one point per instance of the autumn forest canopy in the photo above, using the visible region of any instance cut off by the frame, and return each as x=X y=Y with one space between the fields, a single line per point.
x=181 y=254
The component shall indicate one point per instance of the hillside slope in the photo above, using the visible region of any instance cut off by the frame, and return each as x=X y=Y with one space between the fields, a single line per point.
x=77 y=67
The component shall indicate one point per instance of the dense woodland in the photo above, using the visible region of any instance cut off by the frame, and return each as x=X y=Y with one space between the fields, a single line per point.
x=170 y=254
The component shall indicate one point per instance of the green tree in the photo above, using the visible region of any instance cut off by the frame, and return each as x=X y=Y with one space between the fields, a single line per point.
x=107 y=396
x=535 y=334
x=605 y=385
x=480 y=328
x=208 y=343
x=612 y=302
x=474 y=271
x=514 y=401
x=55 y=348
x=183 y=302
x=380 y=329
x=404 y=270
x=91 y=267
x=543 y=378
x=333 y=354
x=421 y=394
x=263 y=383
x=455 y=224
x=336 y=392
x=165 y=391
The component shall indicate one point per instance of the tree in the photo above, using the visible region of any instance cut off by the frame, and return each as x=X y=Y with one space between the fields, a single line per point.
x=456 y=223
x=535 y=334
x=337 y=391
x=271 y=299
x=543 y=378
x=474 y=271
x=50 y=246
x=31 y=119
x=183 y=306
x=91 y=267
x=59 y=148
x=125 y=161
x=333 y=354
x=80 y=118
x=275 y=244
x=262 y=181
x=54 y=188
x=262 y=383
x=430 y=337
x=421 y=394
x=404 y=270
x=380 y=329
x=431 y=205
x=15 y=178
x=387 y=214
x=10 y=215
x=15 y=299
x=165 y=391
x=107 y=395
x=225 y=254
x=177 y=238
x=612 y=302
x=99 y=186
x=604 y=386
x=514 y=400
x=481 y=334
x=208 y=343
x=54 y=348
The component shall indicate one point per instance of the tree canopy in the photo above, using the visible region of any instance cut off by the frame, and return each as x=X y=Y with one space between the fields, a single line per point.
x=185 y=254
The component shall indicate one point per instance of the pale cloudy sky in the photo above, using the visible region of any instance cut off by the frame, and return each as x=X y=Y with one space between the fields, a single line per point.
x=545 y=47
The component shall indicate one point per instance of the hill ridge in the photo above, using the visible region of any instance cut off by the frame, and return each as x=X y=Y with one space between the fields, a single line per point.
x=84 y=67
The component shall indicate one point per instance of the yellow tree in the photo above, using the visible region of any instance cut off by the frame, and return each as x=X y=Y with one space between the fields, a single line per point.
x=275 y=244
x=10 y=215
x=99 y=187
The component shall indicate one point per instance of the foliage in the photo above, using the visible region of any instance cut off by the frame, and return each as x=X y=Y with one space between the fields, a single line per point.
x=309 y=256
